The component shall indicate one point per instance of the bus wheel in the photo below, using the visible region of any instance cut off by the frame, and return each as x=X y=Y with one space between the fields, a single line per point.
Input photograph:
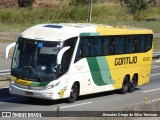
x=132 y=84
x=125 y=85
x=73 y=94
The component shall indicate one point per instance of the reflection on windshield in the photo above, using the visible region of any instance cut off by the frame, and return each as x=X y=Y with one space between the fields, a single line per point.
x=34 y=60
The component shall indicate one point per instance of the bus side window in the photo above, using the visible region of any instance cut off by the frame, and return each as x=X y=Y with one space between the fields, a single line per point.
x=136 y=44
x=142 y=48
x=130 y=44
x=67 y=56
x=83 y=48
x=126 y=45
x=112 y=46
x=96 y=46
x=119 y=45
x=147 y=42
x=106 y=46
x=79 y=52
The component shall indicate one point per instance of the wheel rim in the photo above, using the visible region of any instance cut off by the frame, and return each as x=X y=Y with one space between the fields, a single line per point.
x=133 y=84
x=125 y=85
x=73 y=93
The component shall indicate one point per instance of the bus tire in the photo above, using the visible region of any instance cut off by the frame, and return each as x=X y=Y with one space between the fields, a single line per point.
x=132 y=84
x=125 y=85
x=73 y=94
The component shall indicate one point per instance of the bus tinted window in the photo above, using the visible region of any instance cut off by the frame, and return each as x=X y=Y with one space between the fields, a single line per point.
x=147 y=43
x=95 y=46
x=83 y=48
x=142 y=42
x=131 y=45
x=137 y=44
x=106 y=46
x=66 y=59
x=113 y=45
x=85 y=44
x=119 y=45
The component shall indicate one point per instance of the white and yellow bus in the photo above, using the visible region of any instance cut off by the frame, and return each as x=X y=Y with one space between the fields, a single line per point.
x=56 y=61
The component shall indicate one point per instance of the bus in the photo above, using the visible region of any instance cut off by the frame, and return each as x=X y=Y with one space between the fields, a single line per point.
x=67 y=60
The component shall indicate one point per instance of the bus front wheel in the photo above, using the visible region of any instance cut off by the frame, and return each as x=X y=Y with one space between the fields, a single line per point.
x=73 y=94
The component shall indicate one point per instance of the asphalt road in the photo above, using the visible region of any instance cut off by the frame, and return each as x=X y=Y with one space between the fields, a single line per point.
x=95 y=102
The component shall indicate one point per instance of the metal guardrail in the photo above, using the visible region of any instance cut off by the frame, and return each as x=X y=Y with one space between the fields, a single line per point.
x=5 y=72
x=156 y=55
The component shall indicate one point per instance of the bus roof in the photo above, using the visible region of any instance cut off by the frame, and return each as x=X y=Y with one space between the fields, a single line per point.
x=63 y=31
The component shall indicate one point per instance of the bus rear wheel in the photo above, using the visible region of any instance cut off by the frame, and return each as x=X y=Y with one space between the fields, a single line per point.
x=125 y=85
x=132 y=84
x=73 y=94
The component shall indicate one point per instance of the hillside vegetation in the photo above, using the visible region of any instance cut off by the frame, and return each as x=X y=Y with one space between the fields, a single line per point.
x=55 y=11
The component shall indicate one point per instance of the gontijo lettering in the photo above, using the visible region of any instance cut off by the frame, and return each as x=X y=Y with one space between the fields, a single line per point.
x=126 y=60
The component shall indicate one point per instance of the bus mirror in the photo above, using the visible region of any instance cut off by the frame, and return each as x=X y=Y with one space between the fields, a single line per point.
x=8 y=48
x=60 y=54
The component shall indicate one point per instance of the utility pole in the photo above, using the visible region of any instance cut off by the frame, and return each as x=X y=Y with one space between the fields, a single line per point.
x=89 y=11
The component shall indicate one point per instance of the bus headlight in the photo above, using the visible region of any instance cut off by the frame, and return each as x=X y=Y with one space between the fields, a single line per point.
x=51 y=86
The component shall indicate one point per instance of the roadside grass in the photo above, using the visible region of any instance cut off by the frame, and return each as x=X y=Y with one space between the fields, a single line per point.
x=153 y=25
x=7 y=40
x=4 y=27
x=15 y=19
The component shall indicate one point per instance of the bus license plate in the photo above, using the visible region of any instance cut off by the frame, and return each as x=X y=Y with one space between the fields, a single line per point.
x=28 y=93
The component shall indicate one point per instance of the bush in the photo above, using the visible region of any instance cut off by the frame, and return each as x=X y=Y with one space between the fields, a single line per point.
x=25 y=3
x=138 y=5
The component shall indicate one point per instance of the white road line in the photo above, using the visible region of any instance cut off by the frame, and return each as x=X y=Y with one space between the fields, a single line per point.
x=155 y=74
x=75 y=105
x=8 y=99
x=151 y=90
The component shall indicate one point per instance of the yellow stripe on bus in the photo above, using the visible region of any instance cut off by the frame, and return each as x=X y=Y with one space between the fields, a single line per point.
x=21 y=81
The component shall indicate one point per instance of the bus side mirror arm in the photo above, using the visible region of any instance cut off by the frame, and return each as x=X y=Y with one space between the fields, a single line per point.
x=8 y=48
x=60 y=54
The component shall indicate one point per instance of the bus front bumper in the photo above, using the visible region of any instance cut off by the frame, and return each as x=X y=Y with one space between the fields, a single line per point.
x=44 y=94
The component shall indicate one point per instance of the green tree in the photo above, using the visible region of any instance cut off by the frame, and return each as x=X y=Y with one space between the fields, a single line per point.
x=138 y=5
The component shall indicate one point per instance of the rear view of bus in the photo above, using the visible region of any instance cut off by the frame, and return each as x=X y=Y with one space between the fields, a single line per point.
x=55 y=61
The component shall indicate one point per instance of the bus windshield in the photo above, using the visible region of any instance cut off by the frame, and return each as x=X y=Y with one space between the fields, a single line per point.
x=35 y=60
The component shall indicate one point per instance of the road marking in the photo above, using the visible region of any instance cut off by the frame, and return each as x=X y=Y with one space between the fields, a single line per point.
x=75 y=105
x=151 y=90
x=155 y=74
x=155 y=66
x=8 y=99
